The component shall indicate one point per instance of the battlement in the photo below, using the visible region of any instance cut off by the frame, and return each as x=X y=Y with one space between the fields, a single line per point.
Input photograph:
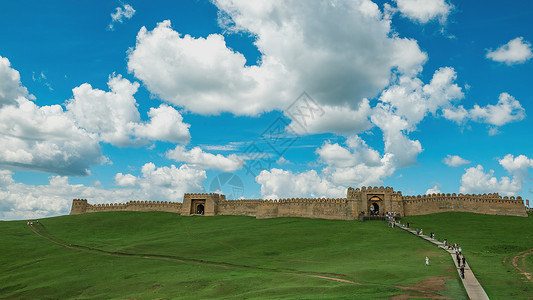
x=359 y=201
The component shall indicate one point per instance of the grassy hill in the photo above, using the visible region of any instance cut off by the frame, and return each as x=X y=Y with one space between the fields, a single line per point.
x=489 y=243
x=163 y=255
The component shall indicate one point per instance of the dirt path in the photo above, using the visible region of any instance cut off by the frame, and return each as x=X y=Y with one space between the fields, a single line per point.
x=324 y=276
x=519 y=262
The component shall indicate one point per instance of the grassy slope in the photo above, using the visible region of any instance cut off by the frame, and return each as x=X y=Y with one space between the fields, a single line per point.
x=488 y=243
x=273 y=250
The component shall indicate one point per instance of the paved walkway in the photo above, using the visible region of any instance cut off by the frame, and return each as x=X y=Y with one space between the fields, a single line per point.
x=473 y=288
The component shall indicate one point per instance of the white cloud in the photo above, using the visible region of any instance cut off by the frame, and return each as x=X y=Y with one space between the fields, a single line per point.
x=423 y=11
x=455 y=161
x=114 y=115
x=518 y=166
x=21 y=201
x=197 y=157
x=434 y=190
x=476 y=181
x=45 y=139
x=121 y=13
x=278 y=183
x=412 y=100
x=356 y=164
x=10 y=86
x=516 y=51
x=507 y=110
x=126 y=179
x=301 y=49
x=404 y=151
x=170 y=183
x=166 y=124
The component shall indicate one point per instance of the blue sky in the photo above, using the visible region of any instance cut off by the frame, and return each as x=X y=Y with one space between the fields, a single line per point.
x=134 y=100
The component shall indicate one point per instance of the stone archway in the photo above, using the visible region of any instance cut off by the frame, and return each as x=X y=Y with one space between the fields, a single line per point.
x=200 y=209
x=375 y=208
x=375 y=205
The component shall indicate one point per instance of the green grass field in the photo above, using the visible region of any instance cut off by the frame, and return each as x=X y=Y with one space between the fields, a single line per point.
x=232 y=257
x=489 y=244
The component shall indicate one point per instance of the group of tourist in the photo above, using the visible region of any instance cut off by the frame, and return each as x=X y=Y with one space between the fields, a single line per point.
x=31 y=222
x=391 y=220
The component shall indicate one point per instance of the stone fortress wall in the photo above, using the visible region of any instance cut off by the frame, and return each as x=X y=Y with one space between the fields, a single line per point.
x=359 y=202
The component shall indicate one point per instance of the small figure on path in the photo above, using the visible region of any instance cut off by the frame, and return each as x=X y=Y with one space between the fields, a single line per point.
x=462 y=271
x=464 y=262
x=427 y=261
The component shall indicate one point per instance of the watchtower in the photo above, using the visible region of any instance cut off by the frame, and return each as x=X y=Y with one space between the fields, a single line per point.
x=79 y=206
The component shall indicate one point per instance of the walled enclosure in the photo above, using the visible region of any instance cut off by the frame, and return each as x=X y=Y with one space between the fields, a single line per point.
x=358 y=202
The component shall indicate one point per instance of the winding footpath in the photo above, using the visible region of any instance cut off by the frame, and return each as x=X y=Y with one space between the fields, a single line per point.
x=474 y=290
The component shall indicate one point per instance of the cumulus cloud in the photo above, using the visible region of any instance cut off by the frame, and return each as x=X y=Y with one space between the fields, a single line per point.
x=455 y=161
x=274 y=185
x=10 y=86
x=424 y=11
x=45 y=139
x=476 y=181
x=198 y=158
x=22 y=201
x=434 y=190
x=114 y=115
x=126 y=179
x=356 y=164
x=301 y=49
x=507 y=110
x=121 y=13
x=166 y=124
x=516 y=51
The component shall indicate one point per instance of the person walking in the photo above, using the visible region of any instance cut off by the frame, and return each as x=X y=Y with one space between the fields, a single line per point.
x=427 y=261
x=462 y=272
x=464 y=261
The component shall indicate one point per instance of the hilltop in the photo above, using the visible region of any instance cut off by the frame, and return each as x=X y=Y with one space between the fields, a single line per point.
x=164 y=255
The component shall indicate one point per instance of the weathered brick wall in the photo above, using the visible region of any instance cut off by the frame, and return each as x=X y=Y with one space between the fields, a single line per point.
x=491 y=204
x=174 y=207
x=238 y=207
x=341 y=209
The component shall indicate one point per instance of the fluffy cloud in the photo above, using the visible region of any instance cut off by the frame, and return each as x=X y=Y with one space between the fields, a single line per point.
x=356 y=164
x=121 y=13
x=403 y=150
x=434 y=190
x=516 y=51
x=115 y=118
x=10 y=86
x=518 y=164
x=274 y=185
x=45 y=139
x=198 y=158
x=507 y=110
x=301 y=49
x=22 y=201
x=126 y=179
x=423 y=11
x=166 y=124
x=476 y=181
x=455 y=160
x=170 y=183
x=413 y=100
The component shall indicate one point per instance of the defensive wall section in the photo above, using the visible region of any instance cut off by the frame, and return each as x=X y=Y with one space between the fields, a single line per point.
x=80 y=206
x=359 y=202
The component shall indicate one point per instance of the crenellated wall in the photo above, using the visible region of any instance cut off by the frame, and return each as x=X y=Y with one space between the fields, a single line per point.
x=491 y=204
x=80 y=206
x=358 y=202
